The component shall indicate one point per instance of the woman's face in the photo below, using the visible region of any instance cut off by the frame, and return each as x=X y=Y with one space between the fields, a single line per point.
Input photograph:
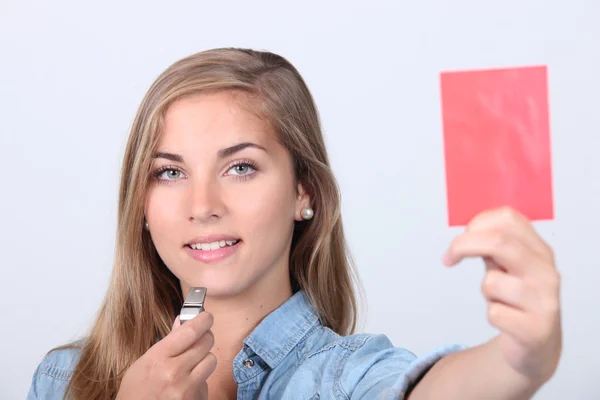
x=223 y=201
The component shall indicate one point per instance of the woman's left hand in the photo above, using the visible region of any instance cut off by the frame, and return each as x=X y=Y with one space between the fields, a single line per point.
x=521 y=287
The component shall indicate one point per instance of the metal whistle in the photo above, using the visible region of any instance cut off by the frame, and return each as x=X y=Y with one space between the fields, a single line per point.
x=193 y=304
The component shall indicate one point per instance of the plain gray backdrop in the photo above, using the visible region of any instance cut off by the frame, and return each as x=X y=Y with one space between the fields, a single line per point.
x=73 y=73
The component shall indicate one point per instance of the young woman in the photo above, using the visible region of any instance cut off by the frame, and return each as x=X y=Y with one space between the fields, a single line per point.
x=226 y=184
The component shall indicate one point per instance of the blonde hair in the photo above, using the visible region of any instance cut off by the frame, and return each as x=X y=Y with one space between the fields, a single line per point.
x=144 y=297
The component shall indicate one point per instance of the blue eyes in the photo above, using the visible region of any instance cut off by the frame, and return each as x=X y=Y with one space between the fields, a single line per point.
x=168 y=174
x=241 y=169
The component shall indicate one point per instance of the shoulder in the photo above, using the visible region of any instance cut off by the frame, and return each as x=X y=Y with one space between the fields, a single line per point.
x=325 y=340
x=359 y=351
x=60 y=363
x=368 y=365
x=53 y=373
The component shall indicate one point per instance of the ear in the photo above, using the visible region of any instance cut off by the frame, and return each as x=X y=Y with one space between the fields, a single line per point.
x=303 y=201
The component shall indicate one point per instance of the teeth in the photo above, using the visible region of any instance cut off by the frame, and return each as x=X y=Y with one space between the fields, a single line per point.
x=213 y=245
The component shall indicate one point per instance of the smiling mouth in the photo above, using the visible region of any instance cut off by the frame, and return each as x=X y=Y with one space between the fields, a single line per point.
x=219 y=244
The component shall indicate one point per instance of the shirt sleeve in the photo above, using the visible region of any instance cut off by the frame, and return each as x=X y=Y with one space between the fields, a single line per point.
x=34 y=388
x=52 y=375
x=378 y=370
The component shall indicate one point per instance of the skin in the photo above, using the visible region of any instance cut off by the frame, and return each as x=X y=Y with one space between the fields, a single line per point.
x=206 y=194
x=522 y=290
x=202 y=194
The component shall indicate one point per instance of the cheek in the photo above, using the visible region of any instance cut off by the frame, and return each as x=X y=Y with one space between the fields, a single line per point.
x=268 y=210
x=162 y=210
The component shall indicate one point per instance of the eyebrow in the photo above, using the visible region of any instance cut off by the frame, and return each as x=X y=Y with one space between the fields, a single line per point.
x=169 y=156
x=229 y=151
x=223 y=153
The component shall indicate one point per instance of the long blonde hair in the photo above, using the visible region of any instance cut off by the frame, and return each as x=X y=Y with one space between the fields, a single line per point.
x=144 y=297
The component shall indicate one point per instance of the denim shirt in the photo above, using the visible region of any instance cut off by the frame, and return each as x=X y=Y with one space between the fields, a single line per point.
x=290 y=355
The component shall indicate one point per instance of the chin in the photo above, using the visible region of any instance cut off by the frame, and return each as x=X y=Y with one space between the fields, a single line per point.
x=221 y=283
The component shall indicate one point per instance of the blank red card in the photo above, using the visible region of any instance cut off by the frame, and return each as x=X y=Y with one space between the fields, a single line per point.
x=497 y=142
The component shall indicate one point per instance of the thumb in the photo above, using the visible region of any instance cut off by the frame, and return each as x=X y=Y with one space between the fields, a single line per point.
x=176 y=324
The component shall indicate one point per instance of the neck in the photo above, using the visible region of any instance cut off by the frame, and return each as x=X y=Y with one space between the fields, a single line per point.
x=235 y=317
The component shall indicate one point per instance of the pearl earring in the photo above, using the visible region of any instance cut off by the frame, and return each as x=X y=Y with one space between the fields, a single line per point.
x=146 y=225
x=307 y=213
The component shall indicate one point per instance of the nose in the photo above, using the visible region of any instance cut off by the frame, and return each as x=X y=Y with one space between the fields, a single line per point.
x=205 y=200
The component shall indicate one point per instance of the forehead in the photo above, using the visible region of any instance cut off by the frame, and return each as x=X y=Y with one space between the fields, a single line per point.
x=214 y=119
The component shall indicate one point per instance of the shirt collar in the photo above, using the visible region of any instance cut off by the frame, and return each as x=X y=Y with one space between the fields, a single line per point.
x=283 y=329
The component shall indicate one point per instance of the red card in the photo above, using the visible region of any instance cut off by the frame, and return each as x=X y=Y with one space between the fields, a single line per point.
x=497 y=142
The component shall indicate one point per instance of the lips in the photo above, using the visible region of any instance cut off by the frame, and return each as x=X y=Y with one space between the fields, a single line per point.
x=211 y=249
x=214 y=245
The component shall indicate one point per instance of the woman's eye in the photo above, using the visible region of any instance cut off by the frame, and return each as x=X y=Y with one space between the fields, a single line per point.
x=241 y=169
x=170 y=174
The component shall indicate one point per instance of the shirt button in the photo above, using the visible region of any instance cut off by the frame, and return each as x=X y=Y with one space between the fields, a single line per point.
x=248 y=363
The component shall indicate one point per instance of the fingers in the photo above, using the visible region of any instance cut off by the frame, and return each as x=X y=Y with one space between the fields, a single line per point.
x=204 y=368
x=505 y=237
x=176 y=323
x=197 y=352
x=500 y=247
x=509 y=320
x=500 y=287
x=521 y=286
x=526 y=309
x=184 y=336
x=509 y=220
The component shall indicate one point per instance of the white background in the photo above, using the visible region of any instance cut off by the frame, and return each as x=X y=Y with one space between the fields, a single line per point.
x=72 y=75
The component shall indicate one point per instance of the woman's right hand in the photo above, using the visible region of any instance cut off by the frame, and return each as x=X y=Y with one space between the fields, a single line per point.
x=176 y=367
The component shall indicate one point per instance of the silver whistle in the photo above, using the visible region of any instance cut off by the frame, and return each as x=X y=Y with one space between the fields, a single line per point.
x=193 y=304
